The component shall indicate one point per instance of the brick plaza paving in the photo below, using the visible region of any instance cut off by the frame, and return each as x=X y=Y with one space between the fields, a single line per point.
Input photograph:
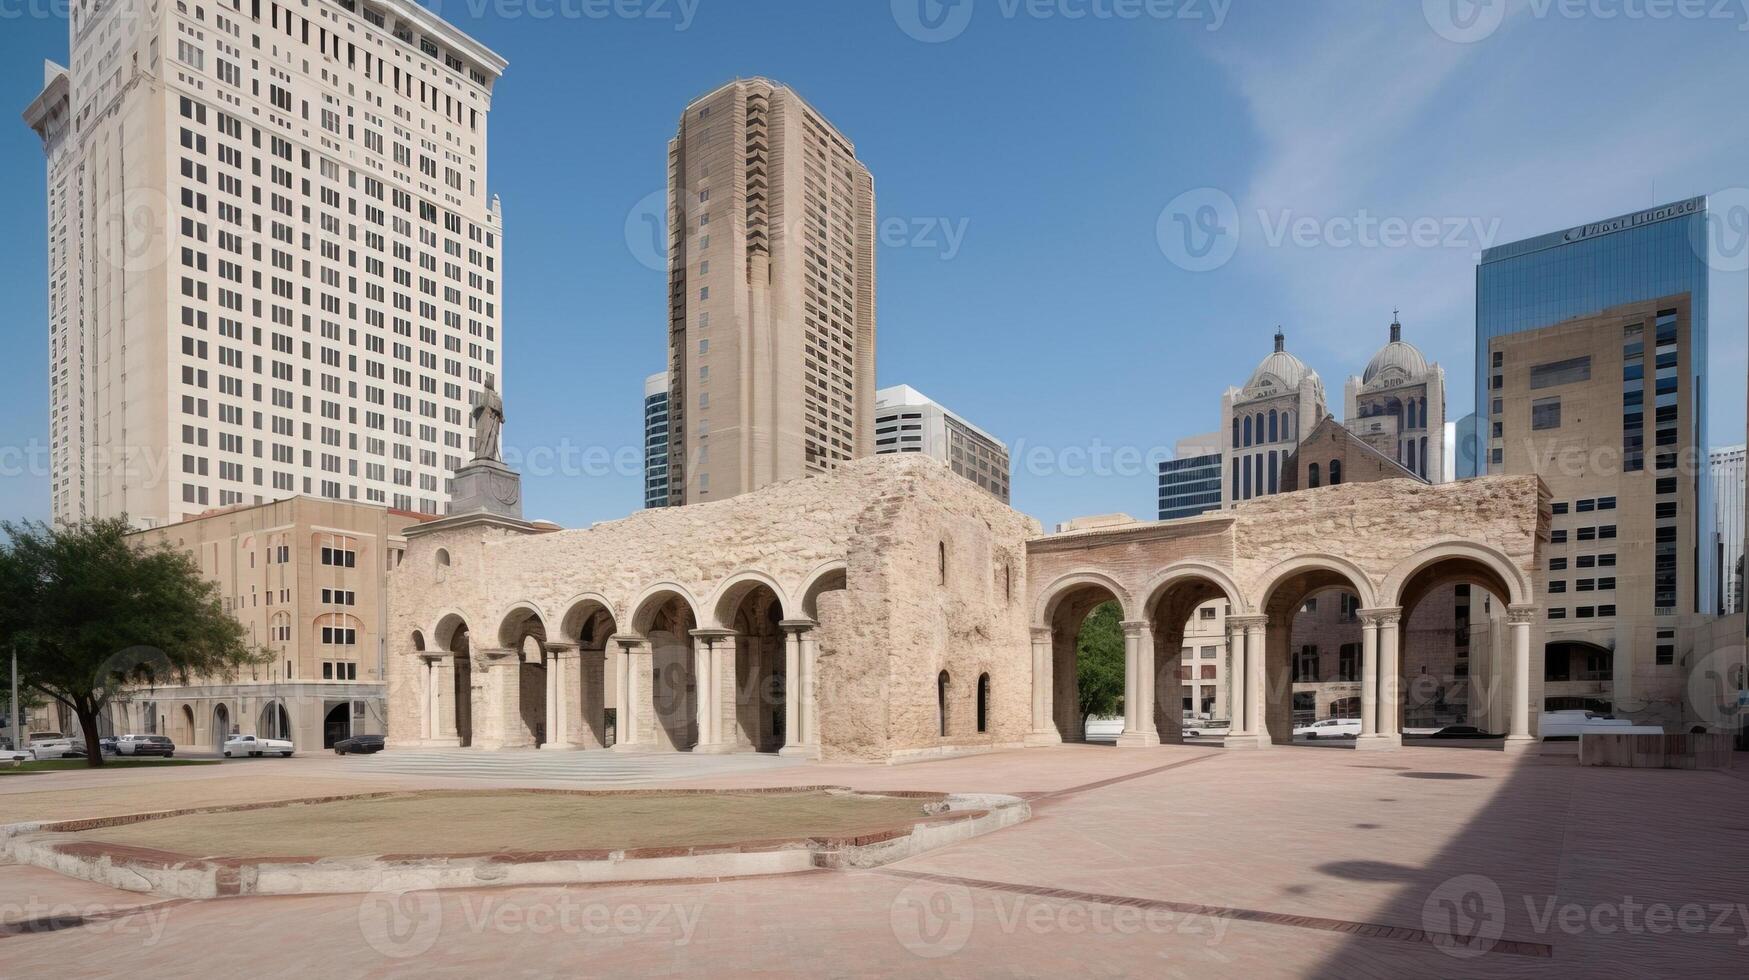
x=1171 y=861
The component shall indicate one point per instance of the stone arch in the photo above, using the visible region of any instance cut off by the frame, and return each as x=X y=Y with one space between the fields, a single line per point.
x=649 y=604
x=583 y=611
x=589 y=623
x=831 y=576
x=1069 y=582
x=1169 y=605
x=1474 y=558
x=1183 y=571
x=728 y=596
x=1310 y=564
x=452 y=636
x=521 y=620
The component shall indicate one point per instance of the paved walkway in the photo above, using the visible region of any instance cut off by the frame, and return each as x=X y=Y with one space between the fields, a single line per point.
x=1175 y=861
x=582 y=769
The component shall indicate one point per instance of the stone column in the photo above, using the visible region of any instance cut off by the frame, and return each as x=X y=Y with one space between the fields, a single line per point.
x=1251 y=686
x=499 y=724
x=1234 y=682
x=811 y=692
x=626 y=715
x=433 y=727
x=1519 y=620
x=714 y=661
x=1044 y=727
x=1138 y=685
x=563 y=706
x=1379 y=681
x=799 y=737
x=446 y=730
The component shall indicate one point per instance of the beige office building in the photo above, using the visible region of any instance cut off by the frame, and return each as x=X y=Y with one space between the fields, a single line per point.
x=274 y=267
x=1619 y=570
x=306 y=578
x=772 y=294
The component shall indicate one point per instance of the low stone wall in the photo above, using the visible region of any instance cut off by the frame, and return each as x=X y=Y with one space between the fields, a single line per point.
x=1655 y=751
x=952 y=818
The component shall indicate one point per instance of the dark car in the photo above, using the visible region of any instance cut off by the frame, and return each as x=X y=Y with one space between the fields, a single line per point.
x=1462 y=731
x=145 y=745
x=362 y=744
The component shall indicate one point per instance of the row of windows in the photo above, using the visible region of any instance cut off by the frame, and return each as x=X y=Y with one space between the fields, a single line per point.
x=1583 y=612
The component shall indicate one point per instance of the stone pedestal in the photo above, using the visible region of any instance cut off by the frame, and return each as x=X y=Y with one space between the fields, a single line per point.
x=486 y=486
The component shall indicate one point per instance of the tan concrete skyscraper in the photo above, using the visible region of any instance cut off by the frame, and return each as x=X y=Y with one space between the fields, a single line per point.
x=771 y=294
x=274 y=265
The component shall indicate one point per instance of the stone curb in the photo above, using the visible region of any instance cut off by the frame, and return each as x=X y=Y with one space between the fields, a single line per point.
x=955 y=817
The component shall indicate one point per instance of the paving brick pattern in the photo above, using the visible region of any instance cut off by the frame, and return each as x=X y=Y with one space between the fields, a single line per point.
x=1288 y=862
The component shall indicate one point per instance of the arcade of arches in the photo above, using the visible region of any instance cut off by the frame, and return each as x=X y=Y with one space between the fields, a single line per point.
x=892 y=610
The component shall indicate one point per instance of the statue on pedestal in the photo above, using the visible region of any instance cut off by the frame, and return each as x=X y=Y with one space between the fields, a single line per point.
x=488 y=424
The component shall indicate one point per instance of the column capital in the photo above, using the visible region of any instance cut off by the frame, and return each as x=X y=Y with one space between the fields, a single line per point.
x=1135 y=627
x=714 y=633
x=797 y=625
x=629 y=642
x=1248 y=622
x=1381 y=616
x=1042 y=634
x=1523 y=615
x=563 y=651
x=496 y=654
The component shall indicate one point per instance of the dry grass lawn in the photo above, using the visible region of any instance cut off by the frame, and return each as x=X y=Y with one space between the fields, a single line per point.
x=512 y=821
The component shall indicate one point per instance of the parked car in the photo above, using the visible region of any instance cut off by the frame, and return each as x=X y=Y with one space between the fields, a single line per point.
x=106 y=745
x=1462 y=731
x=361 y=744
x=1330 y=728
x=1574 y=722
x=1196 y=729
x=58 y=747
x=145 y=745
x=251 y=746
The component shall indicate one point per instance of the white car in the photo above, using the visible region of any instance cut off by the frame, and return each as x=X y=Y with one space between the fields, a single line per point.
x=55 y=746
x=1330 y=728
x=1574 y=723
x=251 y=746
x=1195 y=729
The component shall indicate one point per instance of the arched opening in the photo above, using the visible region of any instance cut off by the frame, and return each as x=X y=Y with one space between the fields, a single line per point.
x=667 y=619
x=441 y=560
x=452 y=636
x=337 y=723
x=589 y=623
x=1189 y=661
x=983 y=703
x=1313 y=650
x=753 y=706
x=275 y=721
x=182 y=727
x=1454 y=656
x=1578 y=676
x=1335 y=472
x=524 y=633
x=941 y=703
x=1087 y=661
x=1312 y=481
x=221 y=726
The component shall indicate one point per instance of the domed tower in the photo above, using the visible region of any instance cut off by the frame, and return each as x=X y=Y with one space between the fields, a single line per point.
x=1264 y=421
x=1397 y=406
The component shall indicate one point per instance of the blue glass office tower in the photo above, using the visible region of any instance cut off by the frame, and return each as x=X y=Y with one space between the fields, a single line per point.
x=1639 y=257
x=1190 y=486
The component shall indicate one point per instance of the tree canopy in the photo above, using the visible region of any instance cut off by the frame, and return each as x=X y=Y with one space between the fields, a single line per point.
x=1099 y=662
x=91 y=613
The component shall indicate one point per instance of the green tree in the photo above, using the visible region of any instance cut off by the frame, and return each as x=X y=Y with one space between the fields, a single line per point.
x=1099 y=662
x=92 y=614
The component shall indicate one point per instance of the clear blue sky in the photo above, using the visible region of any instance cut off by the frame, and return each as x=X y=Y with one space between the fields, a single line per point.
x=1050 y=145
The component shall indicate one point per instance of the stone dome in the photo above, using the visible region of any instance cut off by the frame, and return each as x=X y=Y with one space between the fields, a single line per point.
x=1395 y=363
x=1281 y=371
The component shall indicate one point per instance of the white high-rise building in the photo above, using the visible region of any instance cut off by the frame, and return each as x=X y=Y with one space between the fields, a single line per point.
x=274 y=268
x=908 y=421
